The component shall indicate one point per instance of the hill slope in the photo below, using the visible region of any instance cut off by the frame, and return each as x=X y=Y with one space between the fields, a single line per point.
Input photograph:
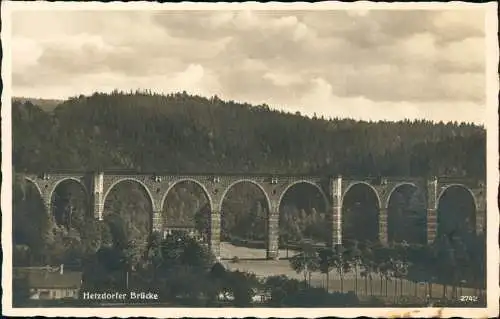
x=187 y=133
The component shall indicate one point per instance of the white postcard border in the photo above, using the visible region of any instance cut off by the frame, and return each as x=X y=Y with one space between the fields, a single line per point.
x=491 y=124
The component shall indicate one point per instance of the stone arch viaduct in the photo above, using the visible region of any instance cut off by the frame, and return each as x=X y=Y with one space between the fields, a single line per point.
x=97 y=185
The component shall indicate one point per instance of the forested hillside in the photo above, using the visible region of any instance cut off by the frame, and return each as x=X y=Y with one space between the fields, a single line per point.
x=190 y=134
x=186 y=133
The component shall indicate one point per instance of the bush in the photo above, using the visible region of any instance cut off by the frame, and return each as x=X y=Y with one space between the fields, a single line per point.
x=235 y=260
x=242 y=285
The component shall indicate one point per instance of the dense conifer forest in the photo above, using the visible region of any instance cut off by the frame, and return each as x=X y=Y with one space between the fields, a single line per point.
x=184 y=133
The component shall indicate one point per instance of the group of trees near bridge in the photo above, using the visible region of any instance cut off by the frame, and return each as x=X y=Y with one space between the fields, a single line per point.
x=452 y=261
x=184 y=133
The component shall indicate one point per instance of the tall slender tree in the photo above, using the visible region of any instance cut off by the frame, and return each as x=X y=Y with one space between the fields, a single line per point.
x=341 y=263
x=326 y=264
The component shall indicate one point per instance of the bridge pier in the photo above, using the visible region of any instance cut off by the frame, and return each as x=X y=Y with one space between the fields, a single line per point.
x=98 y=209
x=215 y=225
x=432 y=193
x=272 y=249
x=97 y=195
x=480 y=222
x=336 y=212
x=47 y=205
x=382 y=226
x=157 y=223
x=431 y=225
x=480 y=218
x=336 y=226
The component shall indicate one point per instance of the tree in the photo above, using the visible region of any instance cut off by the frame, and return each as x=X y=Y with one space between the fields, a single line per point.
x=104 y=270
x=399 y=264
x=341 y=263
x=243 y=286
x=196 y=255
x=461 y=261
x=132 y=255
x=378 y=258
x=284 y=238
x=416 y=267
x=326 y=264
x=281 y=286
x=218 y=271
x=356 y=258
x=54 y=247
x=443 y=252
x=307 y=261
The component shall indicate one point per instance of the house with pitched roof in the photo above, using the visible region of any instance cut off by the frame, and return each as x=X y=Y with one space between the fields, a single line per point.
x=50 y=283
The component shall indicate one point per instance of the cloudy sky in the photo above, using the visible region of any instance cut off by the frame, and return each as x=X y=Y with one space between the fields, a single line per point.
x=361 y=64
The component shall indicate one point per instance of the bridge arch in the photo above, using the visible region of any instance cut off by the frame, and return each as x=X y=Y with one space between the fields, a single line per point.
x=302 y=213
x=456 y=185
x=406 y=210
x=374 y=191
x=129 y=179
x=182 y=180
x=73 y=179
x=456 y=216
x=304 y=181
x=245 y=213
x=395 y=189
x=360 y=206
x=245 y=180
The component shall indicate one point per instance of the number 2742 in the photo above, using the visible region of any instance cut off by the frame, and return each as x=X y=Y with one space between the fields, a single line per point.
x=468 y=298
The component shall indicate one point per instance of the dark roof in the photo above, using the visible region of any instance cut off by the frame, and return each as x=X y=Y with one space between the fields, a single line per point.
x=43 y=278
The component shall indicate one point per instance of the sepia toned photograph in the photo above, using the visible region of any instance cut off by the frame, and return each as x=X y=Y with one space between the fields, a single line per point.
x=249 y=157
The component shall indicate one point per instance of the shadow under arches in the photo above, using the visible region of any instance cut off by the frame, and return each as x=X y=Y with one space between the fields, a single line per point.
x=304 y=217
x=65 y=202
x=406 y=214
x=125 y=222
x=199 y=222
x=456 y=211
x=184 y=180
x=360 y=213
x=129 y=179
x=71 y=180
x=245 y=207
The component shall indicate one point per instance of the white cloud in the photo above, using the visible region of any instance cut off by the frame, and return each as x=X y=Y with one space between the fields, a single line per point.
x=282 y=79
x=363 y=64
x=25 y=53
x=320 y=100
x=465 y=54
x=189 y=78
x=420 y=46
